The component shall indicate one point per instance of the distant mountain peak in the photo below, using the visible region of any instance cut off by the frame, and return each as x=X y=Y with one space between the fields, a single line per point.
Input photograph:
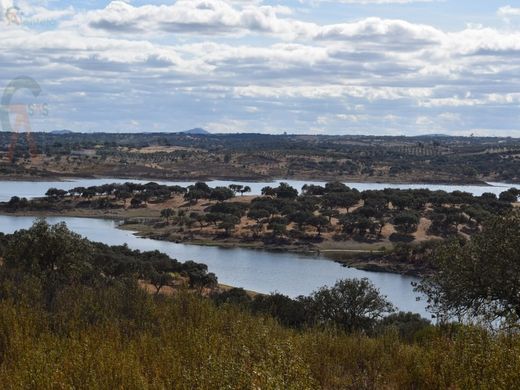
x=438 y=135
x=61 y=132
x=197 y=130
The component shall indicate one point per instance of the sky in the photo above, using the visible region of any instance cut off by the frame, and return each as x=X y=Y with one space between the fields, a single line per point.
x=382 y=67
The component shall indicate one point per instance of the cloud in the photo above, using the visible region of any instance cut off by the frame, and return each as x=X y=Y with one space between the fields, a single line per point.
x=207 y=17
x=508 y=12
x=245 y=66
x=377 y=30
x=41 y=15
x=380 y=1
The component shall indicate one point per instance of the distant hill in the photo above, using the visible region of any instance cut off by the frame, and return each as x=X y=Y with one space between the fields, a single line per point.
x=196 y=131
x=61 y=132
x=435 y=136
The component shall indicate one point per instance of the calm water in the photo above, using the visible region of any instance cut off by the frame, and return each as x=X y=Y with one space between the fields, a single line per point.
x=31 y=189
x=287 y=273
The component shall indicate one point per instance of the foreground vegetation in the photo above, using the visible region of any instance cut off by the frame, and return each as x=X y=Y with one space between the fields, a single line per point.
x=119 y=337
x=263 y=157
x=67 y=320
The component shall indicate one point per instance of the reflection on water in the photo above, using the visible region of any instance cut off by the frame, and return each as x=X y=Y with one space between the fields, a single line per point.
x=287 y=273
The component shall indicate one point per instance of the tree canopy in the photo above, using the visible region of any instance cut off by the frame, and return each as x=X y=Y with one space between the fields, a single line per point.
x=479 y=277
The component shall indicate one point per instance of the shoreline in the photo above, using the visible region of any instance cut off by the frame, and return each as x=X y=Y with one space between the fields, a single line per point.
x=340 y=255
x=267 y=180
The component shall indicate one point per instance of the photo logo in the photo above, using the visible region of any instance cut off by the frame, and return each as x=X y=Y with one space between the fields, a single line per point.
x=21 y=113
x=13 y=15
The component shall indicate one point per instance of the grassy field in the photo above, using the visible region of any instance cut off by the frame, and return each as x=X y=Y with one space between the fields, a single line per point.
x=125 y=338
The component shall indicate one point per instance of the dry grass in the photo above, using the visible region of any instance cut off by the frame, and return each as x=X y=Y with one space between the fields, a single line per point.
x=127 y=339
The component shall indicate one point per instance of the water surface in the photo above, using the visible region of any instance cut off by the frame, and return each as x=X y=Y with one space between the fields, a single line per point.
x=288 y=273
x=31 y=189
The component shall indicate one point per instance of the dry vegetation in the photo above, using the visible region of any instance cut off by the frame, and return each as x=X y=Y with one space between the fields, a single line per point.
x=128 y=339
x=73 y=315
x=262 y=157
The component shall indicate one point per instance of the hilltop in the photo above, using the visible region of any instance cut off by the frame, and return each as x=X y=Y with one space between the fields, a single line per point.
x=196 y=131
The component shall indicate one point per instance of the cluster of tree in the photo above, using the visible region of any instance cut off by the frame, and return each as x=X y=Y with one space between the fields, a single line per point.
x=138 y=195
x=201 y=190
x=354 y=305
x=318 y=205
x=282 y=213
x=57 y=257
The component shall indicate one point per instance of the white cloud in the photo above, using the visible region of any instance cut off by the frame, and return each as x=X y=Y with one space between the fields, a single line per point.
x=206 y=17
x=508 y=12
x=241 y=65
x=379 y=1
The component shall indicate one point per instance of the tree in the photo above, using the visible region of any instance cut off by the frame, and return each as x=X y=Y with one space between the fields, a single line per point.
x=199 y=276
x=478 y=278
x=229 y=223
x=193 y=195
x=268 y=191
x=258 y=214
x=88 y=193
x=341 y=199
x=236 y=188
x=176 y=189
x=287 y=311
x=354 y=305
x=53 y=254
x=349 y=199
x=406 y=222
x=47 y=249
x=55 y=193
x=234 y=296
x=355 y=223
x=199 y=190
x=221 y=194
x=329 y=213
x=285 y=191
x=311 y=189
x=336 y=186
x=16 y=203
x=244 y=190
x=160 y=280
x=300 y=218
x=123 y=194
x=136 y=203
x=278 y=225
x=199 y=218
x=213 y=218
x=408 y=325
x=488 y=196
x=77 y=191
x=167 y=213
x=319 y=222
x=509 y=196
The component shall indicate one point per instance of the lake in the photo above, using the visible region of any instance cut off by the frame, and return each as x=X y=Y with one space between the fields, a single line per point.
x=31 y=189
x=287 y=273
x=265 y=272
